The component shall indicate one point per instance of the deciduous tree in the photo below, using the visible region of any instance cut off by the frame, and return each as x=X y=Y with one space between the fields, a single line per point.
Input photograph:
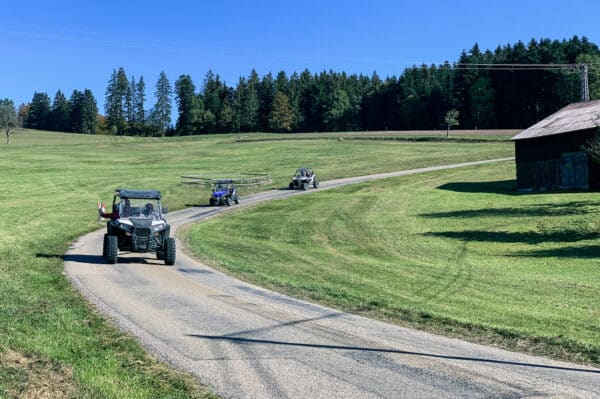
x=281 y=116
x=10 y=123
x=451 y=120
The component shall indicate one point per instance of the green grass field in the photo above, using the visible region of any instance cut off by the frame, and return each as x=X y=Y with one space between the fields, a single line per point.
x=51 y=342
x=455 y=252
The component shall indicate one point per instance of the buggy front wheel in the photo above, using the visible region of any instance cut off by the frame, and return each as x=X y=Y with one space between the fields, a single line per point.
x=170 y=251
x=112 y=249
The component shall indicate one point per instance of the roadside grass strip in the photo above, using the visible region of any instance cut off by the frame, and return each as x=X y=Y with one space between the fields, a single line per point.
x=456 y=252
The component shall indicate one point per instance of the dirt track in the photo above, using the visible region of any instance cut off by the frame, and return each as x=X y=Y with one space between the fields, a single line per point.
x=247 y=342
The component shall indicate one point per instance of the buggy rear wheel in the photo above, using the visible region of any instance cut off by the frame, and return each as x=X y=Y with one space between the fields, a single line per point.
x=236 y=200
x=291 y=186
x=304 y=186
x=315 y=183
x=170 y=250
x=211 y=201
x=112 y=249
x=227 y=201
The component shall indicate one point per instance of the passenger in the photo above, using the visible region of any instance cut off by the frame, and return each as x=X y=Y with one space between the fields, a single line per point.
x=126 y=209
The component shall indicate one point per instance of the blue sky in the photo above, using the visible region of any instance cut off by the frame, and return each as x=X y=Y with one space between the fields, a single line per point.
x=47 y=45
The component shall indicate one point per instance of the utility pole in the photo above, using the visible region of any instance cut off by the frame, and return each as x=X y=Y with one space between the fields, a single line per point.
x=585 y=89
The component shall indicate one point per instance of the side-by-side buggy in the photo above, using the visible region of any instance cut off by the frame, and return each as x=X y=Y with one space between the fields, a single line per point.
x=224 y=193
x=303 y=178
x=137 y=224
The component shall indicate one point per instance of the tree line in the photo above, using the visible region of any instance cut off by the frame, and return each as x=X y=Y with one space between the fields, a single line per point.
x=422 y=97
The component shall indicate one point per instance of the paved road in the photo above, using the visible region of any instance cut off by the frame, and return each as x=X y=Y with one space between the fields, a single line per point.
x=247 y=342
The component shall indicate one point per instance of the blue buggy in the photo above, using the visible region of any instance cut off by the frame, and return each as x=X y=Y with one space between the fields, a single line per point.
x=224 y=193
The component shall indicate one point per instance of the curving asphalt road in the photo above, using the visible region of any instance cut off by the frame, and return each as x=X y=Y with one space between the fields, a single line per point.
x=247 y=342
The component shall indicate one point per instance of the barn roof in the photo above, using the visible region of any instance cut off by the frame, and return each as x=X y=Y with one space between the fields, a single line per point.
x=573 y=117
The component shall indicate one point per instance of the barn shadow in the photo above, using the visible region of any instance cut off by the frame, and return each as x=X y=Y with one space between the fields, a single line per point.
x=516 y=237
x=562 y=209
x=584 y=252
x=506 y=187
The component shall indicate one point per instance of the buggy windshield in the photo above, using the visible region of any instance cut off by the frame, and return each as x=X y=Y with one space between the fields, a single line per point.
x=140 y=208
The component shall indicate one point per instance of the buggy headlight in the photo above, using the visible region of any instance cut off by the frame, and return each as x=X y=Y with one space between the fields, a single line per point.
x=126 y=227
x=158 y=227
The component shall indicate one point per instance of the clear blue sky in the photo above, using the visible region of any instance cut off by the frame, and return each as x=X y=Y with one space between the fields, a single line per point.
x=47 y=45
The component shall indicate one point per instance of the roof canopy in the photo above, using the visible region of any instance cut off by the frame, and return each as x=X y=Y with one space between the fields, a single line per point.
x=573 y=117
x=142 y=194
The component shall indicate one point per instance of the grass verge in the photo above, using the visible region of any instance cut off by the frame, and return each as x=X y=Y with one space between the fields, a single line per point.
x=456 y=252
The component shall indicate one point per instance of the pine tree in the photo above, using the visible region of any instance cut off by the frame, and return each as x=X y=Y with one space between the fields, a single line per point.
x=162 y=108
x=139 y=100
x=266 y=96
x=115 y=105
x=129 y=108
x=76 y=111
x=89 y=113
x=59 y=115
x=187 y=105
x=247 y=104
x=39 y=112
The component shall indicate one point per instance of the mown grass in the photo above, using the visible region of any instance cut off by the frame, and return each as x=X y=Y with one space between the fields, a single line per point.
x=455 y=252
x=48 y=191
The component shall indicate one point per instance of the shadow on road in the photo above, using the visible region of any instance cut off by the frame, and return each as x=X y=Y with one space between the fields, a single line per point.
x=281 y=325
x=250 y=341
x=95 y=259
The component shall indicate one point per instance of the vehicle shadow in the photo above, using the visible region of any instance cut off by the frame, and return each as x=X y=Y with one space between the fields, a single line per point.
x=251 y=341
x=96 y=259
x=93 y=259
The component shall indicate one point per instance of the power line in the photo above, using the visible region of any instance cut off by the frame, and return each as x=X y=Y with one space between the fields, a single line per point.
x=582 y=68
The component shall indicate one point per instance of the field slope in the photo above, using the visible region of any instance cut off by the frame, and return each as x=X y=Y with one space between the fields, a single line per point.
x=456 y=252
x=51 y=342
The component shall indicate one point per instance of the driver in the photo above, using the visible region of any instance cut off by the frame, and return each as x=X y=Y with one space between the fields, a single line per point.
x=148 y=209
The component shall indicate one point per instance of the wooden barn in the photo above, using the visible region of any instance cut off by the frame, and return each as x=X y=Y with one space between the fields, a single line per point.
x=549 y=154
